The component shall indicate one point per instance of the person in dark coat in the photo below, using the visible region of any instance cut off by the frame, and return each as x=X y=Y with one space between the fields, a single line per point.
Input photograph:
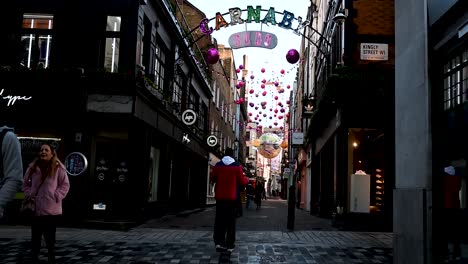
x=259 y=189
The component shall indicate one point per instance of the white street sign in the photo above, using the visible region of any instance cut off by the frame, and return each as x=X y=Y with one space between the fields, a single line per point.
x=212 y=141
x=189 y=117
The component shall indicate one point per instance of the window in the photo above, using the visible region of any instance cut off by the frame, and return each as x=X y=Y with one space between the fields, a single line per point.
x=456 y=81
x=36 y=40
x=159 y=65
x=177 y=91
x=111 y=53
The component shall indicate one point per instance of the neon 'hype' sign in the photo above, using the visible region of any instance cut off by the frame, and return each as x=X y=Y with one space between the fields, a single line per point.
x=253 y=15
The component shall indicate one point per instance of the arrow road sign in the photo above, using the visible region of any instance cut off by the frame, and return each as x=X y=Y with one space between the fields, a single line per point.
x=189 y=117
x=212 y=141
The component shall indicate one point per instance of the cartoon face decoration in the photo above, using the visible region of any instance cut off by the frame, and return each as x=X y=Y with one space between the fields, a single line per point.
x=269 y=145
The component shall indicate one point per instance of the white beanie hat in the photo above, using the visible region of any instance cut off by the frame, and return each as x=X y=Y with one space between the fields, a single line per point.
x=450 y=170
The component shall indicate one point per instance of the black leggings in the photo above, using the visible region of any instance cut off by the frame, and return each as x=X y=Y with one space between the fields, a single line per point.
x=44 y=225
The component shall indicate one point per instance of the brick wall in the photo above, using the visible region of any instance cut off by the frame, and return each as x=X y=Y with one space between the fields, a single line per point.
x=373 y=22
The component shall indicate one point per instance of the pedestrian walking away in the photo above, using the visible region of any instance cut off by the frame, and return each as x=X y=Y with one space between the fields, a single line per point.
x=46 y=183
x=11 y=167
x=227 y=175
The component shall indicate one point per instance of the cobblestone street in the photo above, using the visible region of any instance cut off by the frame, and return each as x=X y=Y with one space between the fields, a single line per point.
x=185 y=243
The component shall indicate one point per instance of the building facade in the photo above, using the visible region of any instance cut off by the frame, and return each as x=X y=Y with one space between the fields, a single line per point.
x=345 y=89
x=123 y=91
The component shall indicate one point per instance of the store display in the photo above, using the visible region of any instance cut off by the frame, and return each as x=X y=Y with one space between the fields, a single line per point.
x=379 y=189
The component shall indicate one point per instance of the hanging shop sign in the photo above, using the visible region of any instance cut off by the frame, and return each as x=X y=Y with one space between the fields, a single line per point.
x=76 y=163
x=374 y=51
x=287 y=21
x=297 y=139
x=257 y=39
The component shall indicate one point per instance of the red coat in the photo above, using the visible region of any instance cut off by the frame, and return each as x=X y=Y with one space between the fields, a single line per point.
x=227 y=177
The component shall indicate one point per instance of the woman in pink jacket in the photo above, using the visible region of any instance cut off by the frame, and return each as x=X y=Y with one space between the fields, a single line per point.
x=47 y=182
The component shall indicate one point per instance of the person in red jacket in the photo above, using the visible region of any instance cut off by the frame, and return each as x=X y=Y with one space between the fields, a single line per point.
x=227 y=175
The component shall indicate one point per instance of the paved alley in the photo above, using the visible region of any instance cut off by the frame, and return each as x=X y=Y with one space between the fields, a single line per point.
x=187 y=238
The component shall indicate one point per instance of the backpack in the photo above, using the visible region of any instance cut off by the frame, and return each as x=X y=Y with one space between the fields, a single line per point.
x=2 y=136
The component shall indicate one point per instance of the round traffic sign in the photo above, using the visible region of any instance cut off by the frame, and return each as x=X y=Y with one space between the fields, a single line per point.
x=189 y=117
x=212 y=141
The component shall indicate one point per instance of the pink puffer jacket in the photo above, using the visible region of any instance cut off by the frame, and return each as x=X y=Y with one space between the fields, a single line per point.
x=51 y=192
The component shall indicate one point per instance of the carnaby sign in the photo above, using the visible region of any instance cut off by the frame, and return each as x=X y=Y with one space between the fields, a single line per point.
x=254 y=15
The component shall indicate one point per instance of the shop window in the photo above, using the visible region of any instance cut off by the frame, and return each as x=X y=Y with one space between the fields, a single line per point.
x=456 y=81
x=177 y=90
x=112 y=48
x=36 y=40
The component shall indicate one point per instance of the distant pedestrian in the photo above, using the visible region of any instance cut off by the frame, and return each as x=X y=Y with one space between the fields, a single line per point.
x=11 y=167
x=228 y=175
x=258 y=194
x=250 y=195
x=46 y=182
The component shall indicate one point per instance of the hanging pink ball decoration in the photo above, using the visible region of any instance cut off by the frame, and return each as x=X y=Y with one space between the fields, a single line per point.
x=282 y=71
x=270 y=126
x=263 y=86
x=281 y=90
x=252 y=77
x=288 y=86
x=280 y=117
x=264 y=93
x=276 y=111
x=241 y=100
x=241 y=66
x=251 y=91
x=250 y=120
x=256 y=95
x=281 y=128
x=292 y=56
x=263 y=103
x=250 y=114
x=256 y=108
x=276 y=97
x=271 y=117
x=275 y=123
x=251 y=104
x=282 y=110
x=212 y=56
x=264 y=115
x=238 y=70
x=262 y=70
x=287 y=115
x=276 y=84
x=263 y=81
x=288 y=102
x=274 y=115
x=241 y=84
x=260 y=112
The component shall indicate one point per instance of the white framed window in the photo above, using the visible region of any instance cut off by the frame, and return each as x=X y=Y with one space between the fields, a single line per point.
x=456 y=81
x=112 y=48
x=36 y=40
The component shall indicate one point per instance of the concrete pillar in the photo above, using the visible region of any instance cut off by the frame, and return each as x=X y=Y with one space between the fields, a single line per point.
x=412 y=219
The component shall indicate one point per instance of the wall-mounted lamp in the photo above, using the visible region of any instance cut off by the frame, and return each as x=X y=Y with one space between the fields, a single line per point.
x=340 y=17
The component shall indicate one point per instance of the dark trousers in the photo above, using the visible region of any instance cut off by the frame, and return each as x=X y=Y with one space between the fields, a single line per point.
x=44 y=225
x=225 y=224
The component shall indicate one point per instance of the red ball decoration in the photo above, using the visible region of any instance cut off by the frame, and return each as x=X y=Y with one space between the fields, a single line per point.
x=251 y=104
x=276 y=111
x=263 y=81
x=251 y=91
x=276 y=84
x=250 y=114
x=263 y=86
x=276 y=97
x=292 y=56
x=288 y=102
x=237 y=70
x=241 y=66
x=281 y=128
x=280 y=117
x=288 y=86
x=241 y=84
x=282 y=71
x=262 y=70
x=275 y=123
x=212 y=55
x=264 y=93
x=241 y=100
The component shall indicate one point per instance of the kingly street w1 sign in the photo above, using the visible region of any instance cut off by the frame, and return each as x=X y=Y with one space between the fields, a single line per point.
x=374 y=51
